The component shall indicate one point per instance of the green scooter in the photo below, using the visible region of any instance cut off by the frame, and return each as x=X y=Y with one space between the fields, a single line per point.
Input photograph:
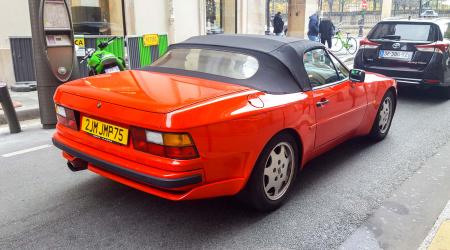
x=101 y=61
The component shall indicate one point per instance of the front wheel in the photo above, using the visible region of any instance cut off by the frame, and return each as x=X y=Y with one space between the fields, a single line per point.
x=273 y=174
x=383 y=121
x=352 y=45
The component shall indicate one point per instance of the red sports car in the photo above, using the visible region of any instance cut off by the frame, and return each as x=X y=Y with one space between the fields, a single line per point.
x=220 y=115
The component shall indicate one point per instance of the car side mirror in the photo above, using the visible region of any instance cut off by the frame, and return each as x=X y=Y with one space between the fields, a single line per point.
x=357 y=75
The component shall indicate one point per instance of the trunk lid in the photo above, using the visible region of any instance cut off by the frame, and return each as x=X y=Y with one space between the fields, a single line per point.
x=149 y=91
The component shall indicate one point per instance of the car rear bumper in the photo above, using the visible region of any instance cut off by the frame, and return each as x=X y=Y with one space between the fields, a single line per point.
x=172 y=185
x=406 y=77
x=128 y=173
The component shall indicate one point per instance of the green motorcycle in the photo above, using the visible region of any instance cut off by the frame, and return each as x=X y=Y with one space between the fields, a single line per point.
x=101 y=61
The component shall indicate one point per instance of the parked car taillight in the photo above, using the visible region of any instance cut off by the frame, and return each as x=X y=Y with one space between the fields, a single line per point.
x=66 y=117
x=171 y=145
x=367 y=44
x=439 y=47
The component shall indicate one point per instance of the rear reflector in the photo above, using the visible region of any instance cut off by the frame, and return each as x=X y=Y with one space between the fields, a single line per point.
x=367 y=44
x=429 y=81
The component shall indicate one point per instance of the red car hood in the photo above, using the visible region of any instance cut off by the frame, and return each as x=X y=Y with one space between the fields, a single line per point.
x=149 y=91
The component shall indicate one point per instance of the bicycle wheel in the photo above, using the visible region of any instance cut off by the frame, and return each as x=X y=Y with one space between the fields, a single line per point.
x=336 y=44
x=352 y=45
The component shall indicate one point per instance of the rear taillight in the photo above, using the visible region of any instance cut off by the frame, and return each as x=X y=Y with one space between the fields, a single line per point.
x=439 y=47
x=367 y=44
x=171 y=145
x=66 y=117
x=431 y=81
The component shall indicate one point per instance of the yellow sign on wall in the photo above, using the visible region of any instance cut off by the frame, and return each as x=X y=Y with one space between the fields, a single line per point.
x=150 y=39
x=79 y=41
x=80 y=45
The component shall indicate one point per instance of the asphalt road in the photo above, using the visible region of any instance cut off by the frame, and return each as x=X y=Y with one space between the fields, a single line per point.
x=44 y=205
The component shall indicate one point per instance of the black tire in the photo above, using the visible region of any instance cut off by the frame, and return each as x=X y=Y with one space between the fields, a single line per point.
x=379 y=132
x=254 y=193
x=445 y=92
x=353 y=45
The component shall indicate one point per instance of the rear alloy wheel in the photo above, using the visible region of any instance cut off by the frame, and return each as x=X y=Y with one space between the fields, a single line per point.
x=352 y=46
x=384 y=117
x=273 y=174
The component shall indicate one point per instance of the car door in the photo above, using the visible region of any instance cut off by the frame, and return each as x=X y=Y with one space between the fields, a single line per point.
x=340 y=104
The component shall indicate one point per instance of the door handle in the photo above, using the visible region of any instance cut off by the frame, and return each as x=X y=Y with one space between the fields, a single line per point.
x=322 y=102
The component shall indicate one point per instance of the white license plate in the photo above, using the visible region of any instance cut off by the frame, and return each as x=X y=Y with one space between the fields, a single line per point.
x=400 y=55
x=112 y=69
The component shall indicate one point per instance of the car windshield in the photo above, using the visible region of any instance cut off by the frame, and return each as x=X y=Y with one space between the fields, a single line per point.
x=215 y=62
x=405 y=31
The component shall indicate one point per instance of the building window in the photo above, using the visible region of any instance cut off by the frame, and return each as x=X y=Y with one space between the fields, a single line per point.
x=97 y=17
x=221 y=16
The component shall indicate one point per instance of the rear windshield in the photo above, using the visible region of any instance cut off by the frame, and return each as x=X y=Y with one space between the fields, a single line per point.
x=405 y=31
x=215 y=62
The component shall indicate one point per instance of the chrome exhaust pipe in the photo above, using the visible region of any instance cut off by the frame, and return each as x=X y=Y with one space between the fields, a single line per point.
x=77 y=165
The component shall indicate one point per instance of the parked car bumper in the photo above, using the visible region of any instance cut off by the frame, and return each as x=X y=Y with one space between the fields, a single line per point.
x=185 y=185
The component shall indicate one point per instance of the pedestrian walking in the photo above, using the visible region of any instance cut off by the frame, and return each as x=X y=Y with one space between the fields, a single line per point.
x=327 y=31
x=313 y=27
x=278 y=24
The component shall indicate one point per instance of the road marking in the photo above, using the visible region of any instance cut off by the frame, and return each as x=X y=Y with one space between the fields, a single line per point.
x=442 y=238
x=438 y=236
x=24 y=151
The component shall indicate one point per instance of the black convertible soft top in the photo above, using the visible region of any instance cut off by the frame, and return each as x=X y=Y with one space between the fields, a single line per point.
x=281 y=68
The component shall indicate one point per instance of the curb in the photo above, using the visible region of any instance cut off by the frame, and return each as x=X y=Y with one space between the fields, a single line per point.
x=23 y=115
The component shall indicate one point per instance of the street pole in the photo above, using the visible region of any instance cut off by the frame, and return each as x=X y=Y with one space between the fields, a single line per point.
x=268 y=17
x=46 y=80
x=420 y=8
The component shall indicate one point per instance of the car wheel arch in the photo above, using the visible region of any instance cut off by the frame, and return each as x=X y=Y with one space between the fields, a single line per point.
x=294 y=134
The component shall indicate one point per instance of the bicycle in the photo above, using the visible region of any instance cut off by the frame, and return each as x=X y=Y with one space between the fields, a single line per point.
x=338 y=43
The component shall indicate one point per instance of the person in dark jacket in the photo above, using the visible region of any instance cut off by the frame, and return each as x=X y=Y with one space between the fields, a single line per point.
x=313 y=27
x=278 y=24
x=326 y=30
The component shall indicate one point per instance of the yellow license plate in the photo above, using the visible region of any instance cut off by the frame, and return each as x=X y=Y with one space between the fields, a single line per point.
x=105 y=131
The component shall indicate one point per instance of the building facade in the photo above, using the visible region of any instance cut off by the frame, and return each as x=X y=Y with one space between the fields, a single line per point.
x=180 y=19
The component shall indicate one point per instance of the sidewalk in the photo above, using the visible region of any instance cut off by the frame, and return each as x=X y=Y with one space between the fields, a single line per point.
x=439 y=236
x=27 y=106
x=406 y=219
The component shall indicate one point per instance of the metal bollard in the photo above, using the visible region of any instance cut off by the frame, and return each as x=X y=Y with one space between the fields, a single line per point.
x=8 y=109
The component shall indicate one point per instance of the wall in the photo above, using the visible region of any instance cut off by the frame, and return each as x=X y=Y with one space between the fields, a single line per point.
x=150 y=17
x=299 y=12
x=14 y=21
x=186 y=13
x=255 y=12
